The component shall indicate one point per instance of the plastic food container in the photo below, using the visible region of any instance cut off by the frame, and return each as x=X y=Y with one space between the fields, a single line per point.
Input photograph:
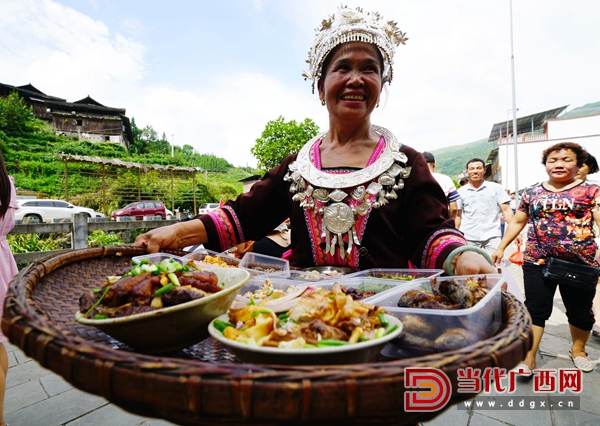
x=157 y=258
x=369 y=286
x=259 y=264
x=399 y=274
x=257 y=282
x=436 y=330
x=305 y=277
x=199 y=259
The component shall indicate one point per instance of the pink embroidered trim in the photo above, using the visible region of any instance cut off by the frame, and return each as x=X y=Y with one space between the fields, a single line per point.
x=436 y=244
x=236 y=220
x=377 y=151
x=315 y=153
x=225 y=230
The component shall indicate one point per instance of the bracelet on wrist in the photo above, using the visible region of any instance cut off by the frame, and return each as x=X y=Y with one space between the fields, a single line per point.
x=462 y=249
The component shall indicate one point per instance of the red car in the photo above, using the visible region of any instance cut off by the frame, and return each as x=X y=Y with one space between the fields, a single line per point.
x=139 y=209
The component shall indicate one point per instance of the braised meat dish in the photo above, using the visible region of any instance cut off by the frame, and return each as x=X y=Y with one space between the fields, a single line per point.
x=146 y=291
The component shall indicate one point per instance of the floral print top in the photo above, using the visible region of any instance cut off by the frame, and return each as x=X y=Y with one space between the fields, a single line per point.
x=561 y=223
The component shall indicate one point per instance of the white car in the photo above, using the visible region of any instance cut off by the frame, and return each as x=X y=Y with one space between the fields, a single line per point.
x=208 y=207
x=44 y=210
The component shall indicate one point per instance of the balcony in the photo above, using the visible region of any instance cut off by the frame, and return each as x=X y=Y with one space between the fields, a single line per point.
x=528 y=137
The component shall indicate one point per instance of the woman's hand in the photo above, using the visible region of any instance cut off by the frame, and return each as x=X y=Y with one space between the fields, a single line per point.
x=498 y=256
x=178 y=235
x=159 y=238
x=472 y=263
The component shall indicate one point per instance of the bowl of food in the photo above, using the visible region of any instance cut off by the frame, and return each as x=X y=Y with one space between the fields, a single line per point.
x=151 y=313
x=315 y=326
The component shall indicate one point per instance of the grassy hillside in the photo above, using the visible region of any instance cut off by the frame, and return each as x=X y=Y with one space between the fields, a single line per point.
x=452 y=160
x=33 y=160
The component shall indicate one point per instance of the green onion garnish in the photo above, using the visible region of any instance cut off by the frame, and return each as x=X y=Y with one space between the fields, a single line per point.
x=97 y=302
x=383 y=319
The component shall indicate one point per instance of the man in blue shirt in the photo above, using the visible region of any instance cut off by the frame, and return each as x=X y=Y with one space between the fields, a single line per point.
x=479 y=215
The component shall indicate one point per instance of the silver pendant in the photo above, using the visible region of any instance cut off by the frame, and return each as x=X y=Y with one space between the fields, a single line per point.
x=400 y=156
x=362 y=209
x=337 y=195
x=373 y=188
x=394 y=170
x=358 y=193
x=355 y=236
x=338 y=218
x=321 y=194
x=386 y=180
x=406 y=172
x=349 y=241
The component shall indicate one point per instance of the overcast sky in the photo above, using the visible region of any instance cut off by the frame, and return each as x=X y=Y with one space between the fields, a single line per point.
x=211 y=74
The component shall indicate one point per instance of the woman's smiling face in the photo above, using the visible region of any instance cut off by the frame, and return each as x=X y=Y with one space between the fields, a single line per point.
x=351 y=82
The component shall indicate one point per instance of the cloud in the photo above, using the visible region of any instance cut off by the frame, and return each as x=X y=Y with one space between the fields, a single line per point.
x=452 y=80
x=65 y=53
x=226 y=118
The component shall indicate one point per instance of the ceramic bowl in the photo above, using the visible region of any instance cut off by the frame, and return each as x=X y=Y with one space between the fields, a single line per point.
x=176 y=327
x=347 y=354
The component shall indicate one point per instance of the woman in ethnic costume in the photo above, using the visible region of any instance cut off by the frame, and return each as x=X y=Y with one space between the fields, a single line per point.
x=354 y=194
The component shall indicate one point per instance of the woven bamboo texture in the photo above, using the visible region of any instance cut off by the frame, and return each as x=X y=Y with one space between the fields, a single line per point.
x=205 y=384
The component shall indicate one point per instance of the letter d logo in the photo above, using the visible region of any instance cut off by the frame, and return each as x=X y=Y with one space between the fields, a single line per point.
x=435 y=389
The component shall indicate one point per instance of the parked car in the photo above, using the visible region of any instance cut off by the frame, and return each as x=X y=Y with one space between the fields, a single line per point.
x=44 y=210
x=205 y=208
x=139 y=209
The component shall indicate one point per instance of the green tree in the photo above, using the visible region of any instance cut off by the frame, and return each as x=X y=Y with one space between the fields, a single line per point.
x=139 y=145
x=280 y=139
x=16 y=117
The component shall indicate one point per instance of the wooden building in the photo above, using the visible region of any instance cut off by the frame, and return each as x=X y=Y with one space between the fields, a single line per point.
x=86 y=118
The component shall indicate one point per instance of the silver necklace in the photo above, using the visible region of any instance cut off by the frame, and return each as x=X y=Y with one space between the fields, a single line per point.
x=340 y=210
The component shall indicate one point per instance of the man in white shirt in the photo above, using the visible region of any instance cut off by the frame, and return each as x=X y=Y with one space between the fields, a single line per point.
x=479 y=217
x=446 y=183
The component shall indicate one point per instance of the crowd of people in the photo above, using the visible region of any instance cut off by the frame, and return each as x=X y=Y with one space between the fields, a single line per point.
x=355 y=196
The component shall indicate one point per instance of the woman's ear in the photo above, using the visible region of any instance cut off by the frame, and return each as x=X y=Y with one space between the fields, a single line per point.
x=321 y=90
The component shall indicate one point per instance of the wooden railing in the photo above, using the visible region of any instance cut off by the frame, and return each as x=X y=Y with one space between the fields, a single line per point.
x=79 y=228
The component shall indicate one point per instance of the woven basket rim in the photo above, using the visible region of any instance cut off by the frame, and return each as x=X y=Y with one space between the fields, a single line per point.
x=30 y=329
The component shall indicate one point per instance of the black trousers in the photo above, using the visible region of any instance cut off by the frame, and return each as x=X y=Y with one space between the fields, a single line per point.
x=539 y=296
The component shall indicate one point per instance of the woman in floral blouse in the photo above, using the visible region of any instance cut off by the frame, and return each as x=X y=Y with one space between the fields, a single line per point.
x=561 y=213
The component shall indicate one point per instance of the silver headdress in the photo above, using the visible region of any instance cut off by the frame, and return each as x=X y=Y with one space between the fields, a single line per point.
x=354 y=25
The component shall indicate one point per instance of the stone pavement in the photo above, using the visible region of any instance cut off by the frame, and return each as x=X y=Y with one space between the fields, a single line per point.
x=37 y=397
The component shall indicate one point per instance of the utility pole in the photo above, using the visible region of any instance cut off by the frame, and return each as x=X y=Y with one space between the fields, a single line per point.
x=514 y=107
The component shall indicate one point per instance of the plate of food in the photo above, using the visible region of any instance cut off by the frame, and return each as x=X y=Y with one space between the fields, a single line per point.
x=314 y=326
x=160 y=307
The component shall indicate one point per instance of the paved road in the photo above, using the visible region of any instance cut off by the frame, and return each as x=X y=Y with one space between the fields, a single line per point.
x=37 y=397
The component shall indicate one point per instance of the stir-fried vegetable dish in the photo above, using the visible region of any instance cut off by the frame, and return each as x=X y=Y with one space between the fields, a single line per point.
x=146 y=287
x=307 y=319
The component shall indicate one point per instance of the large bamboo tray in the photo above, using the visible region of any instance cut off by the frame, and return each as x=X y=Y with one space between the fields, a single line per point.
x=205 y=384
